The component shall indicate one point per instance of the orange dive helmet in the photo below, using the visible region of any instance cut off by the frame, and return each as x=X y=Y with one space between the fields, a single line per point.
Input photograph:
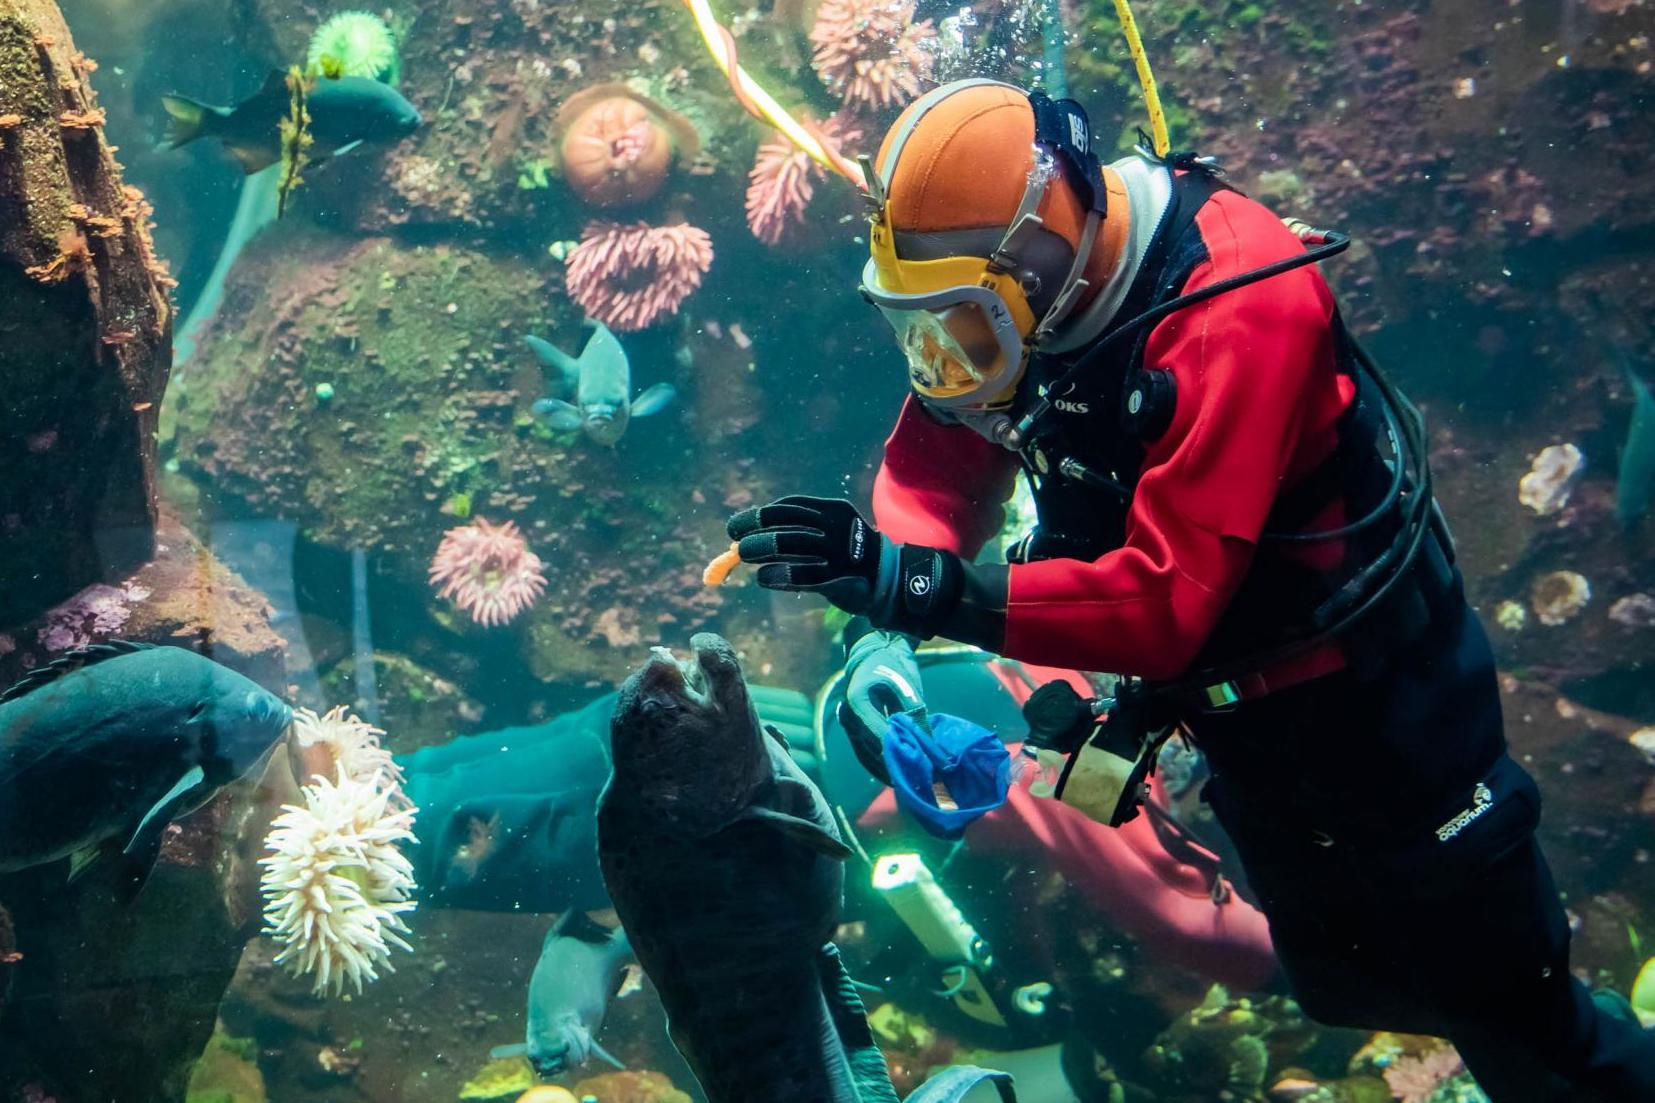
x=992 y=221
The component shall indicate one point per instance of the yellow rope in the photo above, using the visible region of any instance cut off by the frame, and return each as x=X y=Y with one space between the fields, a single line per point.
x=759 y=102
x=1146 y=79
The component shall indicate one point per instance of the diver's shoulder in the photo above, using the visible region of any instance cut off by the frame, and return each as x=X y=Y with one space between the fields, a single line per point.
x=1243 y=232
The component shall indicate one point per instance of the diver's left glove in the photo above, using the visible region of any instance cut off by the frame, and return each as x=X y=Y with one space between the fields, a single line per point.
x=824 y=546
x=881 y=680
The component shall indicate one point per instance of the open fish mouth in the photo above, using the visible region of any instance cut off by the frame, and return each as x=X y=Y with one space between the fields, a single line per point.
x=671 y=676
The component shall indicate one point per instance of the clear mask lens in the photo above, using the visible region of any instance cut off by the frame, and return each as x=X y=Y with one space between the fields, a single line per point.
x=950 y=351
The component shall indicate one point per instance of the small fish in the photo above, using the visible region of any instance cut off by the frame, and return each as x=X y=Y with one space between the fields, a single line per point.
x=344 y=113
x=601 y=381
x=581 y=966
x=103 y=748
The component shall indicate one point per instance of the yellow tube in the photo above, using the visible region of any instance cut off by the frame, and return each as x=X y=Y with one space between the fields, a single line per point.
x=1146 y=79
x=759 y=102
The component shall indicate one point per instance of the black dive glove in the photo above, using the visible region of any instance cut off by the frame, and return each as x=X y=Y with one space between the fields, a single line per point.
x=823 y=546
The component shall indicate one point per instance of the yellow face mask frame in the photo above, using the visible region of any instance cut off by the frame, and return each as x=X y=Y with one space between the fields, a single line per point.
x=916 y=297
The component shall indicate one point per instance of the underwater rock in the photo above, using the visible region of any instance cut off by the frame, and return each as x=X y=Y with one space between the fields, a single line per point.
x=640 y=1086
x=1224 y=1047
x=1558 y=596
x=87 y=324
x=1634 y=611
x=228 y=1072
x=506 y=1078
x=1556 y=469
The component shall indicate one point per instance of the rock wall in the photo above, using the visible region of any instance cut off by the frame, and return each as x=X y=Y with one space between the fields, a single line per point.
x=85 y=327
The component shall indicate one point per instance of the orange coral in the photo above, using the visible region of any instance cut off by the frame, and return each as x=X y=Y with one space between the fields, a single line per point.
x=9 y=121
x=100 y=225
x=72 y=256
x=81 y=120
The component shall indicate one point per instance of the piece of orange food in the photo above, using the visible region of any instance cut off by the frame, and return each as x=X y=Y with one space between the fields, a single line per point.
x=721 y=566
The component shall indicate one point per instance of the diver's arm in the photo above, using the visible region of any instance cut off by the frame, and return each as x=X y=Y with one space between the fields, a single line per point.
x=941 y=485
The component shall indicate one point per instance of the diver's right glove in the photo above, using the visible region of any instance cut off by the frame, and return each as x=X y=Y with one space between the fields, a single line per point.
x=881 y=680
x=825 y=546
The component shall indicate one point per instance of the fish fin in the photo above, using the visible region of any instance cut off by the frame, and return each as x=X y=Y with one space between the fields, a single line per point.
x=346 y=148
x=955 y=1082
x=187 y=119
x=576 y=924
x=606 y=1055
x=82 y=860
x=71 y=661
x=137 y=858
x=800 y=830
x=653 y=400
x=252 y=158
x=549 y=355
x=558 y=414
x=162 y=811
x=501 y=1053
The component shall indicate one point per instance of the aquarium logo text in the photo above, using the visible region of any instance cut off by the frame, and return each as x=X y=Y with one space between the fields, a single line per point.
x=1481 y=801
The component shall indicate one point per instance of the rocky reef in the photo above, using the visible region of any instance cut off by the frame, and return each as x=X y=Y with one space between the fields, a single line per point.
x=85 y=326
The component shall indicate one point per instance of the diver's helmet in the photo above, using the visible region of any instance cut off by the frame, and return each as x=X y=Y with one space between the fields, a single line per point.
x=992 y=222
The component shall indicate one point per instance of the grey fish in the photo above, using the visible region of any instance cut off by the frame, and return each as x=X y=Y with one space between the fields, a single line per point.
x=724 y=864
x=101 y=749
x=601 y=382
x=344 y=113
x=581 y=966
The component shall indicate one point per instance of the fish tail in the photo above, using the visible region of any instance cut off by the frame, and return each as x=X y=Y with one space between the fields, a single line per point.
x=187 y=119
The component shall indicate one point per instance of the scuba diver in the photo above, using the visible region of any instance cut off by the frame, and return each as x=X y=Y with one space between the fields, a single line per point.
x=1235 y=514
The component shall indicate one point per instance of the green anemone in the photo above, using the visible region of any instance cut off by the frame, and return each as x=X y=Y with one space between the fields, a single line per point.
x=358 y=43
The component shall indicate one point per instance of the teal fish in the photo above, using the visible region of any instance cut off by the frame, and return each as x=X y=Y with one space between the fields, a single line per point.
x=101 y=749
x=344 y=113
x=601 y=382
x=1635 y=486
x=581 y=966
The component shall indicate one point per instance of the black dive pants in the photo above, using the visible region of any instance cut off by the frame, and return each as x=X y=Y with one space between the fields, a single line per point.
x=1390 y=840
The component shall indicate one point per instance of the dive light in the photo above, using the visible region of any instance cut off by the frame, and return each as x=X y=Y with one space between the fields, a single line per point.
x=905 y=882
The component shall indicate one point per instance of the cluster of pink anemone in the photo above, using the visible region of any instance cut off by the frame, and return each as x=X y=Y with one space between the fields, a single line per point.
x=488 y=571
x=872 y=53
x=784 y=178
x=631 y=276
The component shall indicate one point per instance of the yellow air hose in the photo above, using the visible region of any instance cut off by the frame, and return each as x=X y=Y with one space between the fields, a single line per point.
x=760 y=103
x=1146 y=79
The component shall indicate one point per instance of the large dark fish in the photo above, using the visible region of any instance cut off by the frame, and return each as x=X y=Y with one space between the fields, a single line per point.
x=581 y=966
x=343 y=112
x=508 y=819
x=724 y=865
x=101 y=749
